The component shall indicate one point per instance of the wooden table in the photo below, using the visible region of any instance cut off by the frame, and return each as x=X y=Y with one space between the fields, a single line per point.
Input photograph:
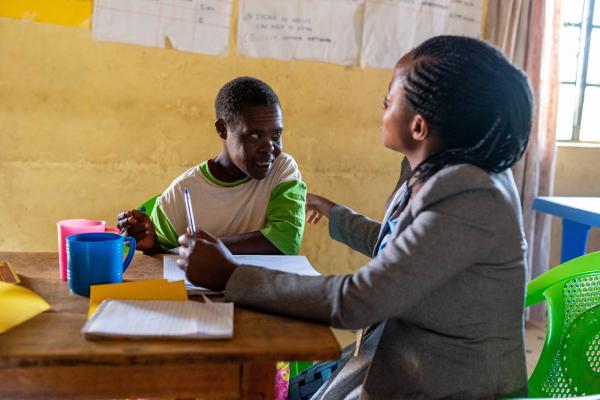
x=579 y=214
x=47 y=357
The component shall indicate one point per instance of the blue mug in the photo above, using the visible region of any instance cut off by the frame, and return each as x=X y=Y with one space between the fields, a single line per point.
x=96 y=258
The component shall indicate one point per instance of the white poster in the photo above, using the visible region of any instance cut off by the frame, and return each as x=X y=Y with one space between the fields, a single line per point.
x=322 y=30
x=200 y=26
x=394 y=27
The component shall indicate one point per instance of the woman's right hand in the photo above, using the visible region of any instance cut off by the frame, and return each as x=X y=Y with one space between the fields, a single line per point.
x=317 y=207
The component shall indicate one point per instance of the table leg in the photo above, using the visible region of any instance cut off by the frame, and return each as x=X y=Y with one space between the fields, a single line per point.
x=258 y=380
x=574 y=240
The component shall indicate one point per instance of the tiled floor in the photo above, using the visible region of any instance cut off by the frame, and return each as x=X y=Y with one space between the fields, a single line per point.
x=535 y=333
x=534 y=341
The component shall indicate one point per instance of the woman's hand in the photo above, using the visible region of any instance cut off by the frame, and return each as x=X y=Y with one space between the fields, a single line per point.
x=318 y=207
x=207 y=262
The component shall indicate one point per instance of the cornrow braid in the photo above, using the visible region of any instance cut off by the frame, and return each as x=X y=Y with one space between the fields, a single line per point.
x=473 y=98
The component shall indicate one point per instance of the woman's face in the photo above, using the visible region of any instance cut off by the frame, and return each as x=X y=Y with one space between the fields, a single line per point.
x=397 y=116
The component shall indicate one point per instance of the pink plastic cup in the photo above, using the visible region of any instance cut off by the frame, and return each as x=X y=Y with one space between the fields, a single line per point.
x=70 y=227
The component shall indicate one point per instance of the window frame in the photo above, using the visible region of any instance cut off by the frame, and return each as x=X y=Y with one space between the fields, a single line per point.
x=586 y=27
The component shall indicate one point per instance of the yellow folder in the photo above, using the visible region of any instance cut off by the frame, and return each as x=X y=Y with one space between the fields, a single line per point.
x=156 y=289
x=17 y=305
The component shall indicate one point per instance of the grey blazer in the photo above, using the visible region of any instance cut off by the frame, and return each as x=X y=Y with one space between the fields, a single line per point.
x=449 y=288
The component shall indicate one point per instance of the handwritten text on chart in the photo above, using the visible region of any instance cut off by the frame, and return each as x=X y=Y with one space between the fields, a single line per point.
x=197 y=26
x=324 y=30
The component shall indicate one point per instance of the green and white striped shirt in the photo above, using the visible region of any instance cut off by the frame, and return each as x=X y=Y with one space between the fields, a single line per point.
x=273 y=205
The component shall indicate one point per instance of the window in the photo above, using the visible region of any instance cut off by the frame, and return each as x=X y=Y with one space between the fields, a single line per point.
x=579 y=92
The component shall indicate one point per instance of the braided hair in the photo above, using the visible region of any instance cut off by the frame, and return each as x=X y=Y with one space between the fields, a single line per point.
x=474 y=100
x=240 y=92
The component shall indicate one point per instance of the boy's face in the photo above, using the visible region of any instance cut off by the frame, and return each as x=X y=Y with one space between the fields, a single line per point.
x=253 y=139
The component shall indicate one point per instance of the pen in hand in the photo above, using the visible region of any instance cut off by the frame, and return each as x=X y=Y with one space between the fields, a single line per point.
x=189 y=211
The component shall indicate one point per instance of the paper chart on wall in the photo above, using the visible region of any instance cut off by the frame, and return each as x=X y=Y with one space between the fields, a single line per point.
x=321 y=30
x=200 y=26
x=64 y=12
x=394 y=27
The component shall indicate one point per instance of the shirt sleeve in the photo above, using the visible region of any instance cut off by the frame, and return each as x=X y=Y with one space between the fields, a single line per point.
x=167 y=237
x=284 y=225
x=354 y=230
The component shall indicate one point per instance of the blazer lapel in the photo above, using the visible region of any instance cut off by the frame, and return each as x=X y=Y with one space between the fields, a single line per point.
x=404 y=218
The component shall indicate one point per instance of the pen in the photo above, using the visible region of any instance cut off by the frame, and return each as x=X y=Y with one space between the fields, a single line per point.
x=189 y=211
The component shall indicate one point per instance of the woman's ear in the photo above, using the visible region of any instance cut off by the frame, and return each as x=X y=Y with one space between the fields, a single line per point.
x=221 y=128
x=419 y=128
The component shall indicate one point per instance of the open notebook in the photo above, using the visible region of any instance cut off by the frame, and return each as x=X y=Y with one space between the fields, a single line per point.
x=293 y=264
x=140 y=319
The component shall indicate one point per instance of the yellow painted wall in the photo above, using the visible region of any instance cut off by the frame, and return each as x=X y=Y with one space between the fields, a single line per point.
x=89 y=128
x=577 y=174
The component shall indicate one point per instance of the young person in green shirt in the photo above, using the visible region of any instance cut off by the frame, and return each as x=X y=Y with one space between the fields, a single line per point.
x=251 y=195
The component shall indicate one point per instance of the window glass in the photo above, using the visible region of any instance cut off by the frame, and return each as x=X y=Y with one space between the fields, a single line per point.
x=572 y=11
x=569 y=48
x=593 y=70
x=567 y=101
x=590 y=117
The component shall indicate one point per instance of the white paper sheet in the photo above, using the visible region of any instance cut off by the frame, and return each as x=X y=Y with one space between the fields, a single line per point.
x=161 y=319
x=293 y=264
x=322 y=30
x=200 y=26
x=394 y=27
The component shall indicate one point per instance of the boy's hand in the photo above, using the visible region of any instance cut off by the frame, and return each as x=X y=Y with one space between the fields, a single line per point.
x=206 y=260
x=318 y=207
x=138 y=225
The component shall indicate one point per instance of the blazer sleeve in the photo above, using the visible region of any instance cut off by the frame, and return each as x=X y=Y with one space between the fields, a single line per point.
x=354 y=230
x=443 y=240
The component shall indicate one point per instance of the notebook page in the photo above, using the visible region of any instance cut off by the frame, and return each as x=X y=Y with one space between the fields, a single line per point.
x=293 y=264
x=172 y=272
x=161 y=318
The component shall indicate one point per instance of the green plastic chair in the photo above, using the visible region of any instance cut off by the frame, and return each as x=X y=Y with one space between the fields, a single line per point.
x=297 y=367
x=569 y=364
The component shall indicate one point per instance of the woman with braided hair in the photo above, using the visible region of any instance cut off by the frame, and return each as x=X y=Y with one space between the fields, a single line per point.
x=439 y=307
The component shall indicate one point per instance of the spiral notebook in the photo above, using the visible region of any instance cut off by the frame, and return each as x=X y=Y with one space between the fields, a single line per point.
x=164 y=319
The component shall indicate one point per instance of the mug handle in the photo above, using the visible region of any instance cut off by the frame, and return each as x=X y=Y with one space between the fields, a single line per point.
x=131 y=252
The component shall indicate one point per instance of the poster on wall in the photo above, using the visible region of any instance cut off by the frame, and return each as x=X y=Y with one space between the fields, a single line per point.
x=63 y=12
x=199 y=26
x=394 y=27
x=320 y=30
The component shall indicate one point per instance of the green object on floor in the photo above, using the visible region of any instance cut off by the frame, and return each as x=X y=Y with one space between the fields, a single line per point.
x=297 y=367
x=569 y=364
